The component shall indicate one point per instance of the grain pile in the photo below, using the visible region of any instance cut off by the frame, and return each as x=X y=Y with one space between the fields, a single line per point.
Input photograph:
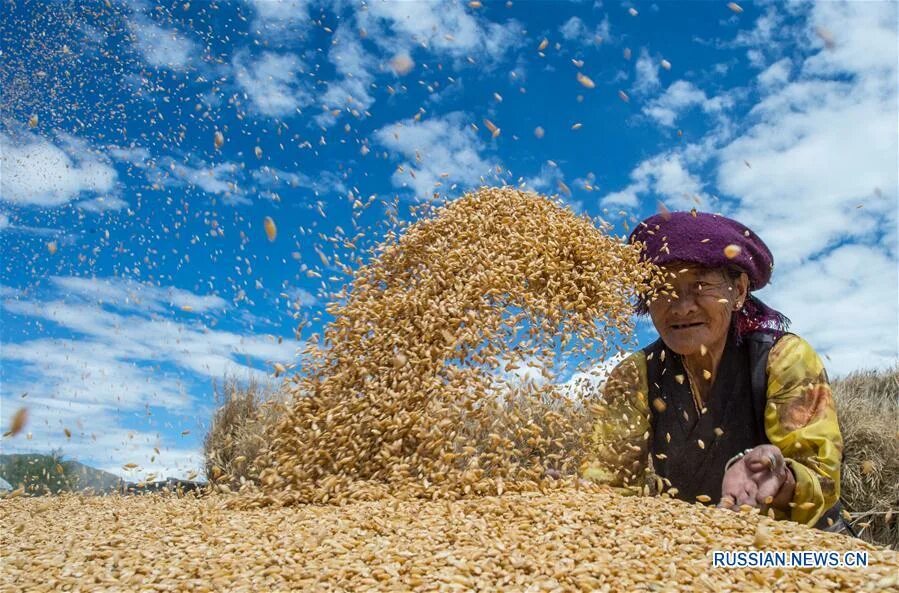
x=410 y=390
x=433 y=464
x=567 y=541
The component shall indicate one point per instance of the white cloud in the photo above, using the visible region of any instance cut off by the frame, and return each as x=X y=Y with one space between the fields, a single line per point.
x=125 y=362
x=140 y=333
x=272 y=82
x=134 y=155
x=90 y=374
x=574 y=29
x=767 y=39
x=547 y=180
x=302 y=297
x=8 y=292
x=222 y=178
x=99 y=440
x=647 y=69
x=844 y=304
x=4 y=221
x=763 y=32
x=819 y=147
x=680 y=97
x=102 y=204
x=280 y=19
x=326 y=183
x=777 y=74
x=441 y=27
x=136 y=296
x=212 y=180
x=439 y=152
x=818 y=150
x=864 y=39
x=355 y=67
x=819 y=143
x=39 y=173
x=46 y=232
x=162 y=47
x=219 y=179
x=665 y=176
x=586 y=385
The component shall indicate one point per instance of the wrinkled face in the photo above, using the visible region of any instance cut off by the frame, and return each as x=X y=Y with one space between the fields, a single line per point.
x=698 y=308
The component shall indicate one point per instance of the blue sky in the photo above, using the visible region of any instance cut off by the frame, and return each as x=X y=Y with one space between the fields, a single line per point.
x=136 y=268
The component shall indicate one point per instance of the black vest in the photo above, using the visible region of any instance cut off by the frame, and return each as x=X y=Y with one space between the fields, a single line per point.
x=736 y=407
x=694 y=448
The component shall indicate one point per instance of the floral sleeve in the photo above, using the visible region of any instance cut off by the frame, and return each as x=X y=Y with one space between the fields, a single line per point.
x=801 y=420
x=621 y=429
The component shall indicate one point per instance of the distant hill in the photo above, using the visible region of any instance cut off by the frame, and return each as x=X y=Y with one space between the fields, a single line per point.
x=83 y=476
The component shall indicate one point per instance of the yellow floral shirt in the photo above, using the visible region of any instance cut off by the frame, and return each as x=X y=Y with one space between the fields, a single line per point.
x=800 y=419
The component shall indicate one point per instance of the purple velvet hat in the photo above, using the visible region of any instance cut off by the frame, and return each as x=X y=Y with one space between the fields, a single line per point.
x=705 y=239
x=714 y=241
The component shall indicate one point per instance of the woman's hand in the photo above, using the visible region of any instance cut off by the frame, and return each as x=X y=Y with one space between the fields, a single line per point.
x=759 y=478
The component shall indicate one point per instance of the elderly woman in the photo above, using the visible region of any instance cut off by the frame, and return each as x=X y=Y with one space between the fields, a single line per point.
x=725 y=406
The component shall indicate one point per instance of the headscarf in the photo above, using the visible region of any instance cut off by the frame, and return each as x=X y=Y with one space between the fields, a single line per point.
x=714 y=241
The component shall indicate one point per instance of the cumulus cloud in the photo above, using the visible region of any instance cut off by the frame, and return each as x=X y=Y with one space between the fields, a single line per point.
x=356 y=67
x=130 y=354
x=547 y=180
x=767 y=39
x=439 y=151
x=271 y=179
x=273 y=82
x=590 y=383
x=844 y=303
x=99 y=439
x=37 y=172
x=122 y=293
x=102 y=204
x=161 y=47
x=680 y=97
x=647 y=74
x=280 y=20
x=813 y=171
x=302 y=298
x=666 y=176
x=225 y=178
x=574 y=29
x=442 y=28
x=824 y=144
x=219 y=179
x=777 y=74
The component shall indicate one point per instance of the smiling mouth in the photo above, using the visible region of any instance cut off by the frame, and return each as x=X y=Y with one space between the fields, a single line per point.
x=686 y=325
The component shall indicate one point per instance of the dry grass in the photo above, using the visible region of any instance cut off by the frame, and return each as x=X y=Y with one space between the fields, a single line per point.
x=236 y=436
x=868 y=410
x=564 y=540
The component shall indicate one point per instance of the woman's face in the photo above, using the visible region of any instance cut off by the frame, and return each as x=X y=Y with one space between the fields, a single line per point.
x=698 y=312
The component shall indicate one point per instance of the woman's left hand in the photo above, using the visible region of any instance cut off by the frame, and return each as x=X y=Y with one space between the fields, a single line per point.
x=759 y=478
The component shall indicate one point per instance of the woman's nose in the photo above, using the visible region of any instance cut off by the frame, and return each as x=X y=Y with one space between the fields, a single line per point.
x=682 y=302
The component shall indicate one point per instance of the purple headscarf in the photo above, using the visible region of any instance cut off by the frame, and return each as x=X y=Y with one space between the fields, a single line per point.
x=714 y=241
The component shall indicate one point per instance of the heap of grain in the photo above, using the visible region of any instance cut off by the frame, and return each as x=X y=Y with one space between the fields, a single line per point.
x=408 y=392
x=568 y=541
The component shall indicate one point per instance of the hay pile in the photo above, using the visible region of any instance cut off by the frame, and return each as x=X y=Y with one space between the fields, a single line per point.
x=237 y=433
x=410 y=390
x=868 y=410
x=566 y=541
